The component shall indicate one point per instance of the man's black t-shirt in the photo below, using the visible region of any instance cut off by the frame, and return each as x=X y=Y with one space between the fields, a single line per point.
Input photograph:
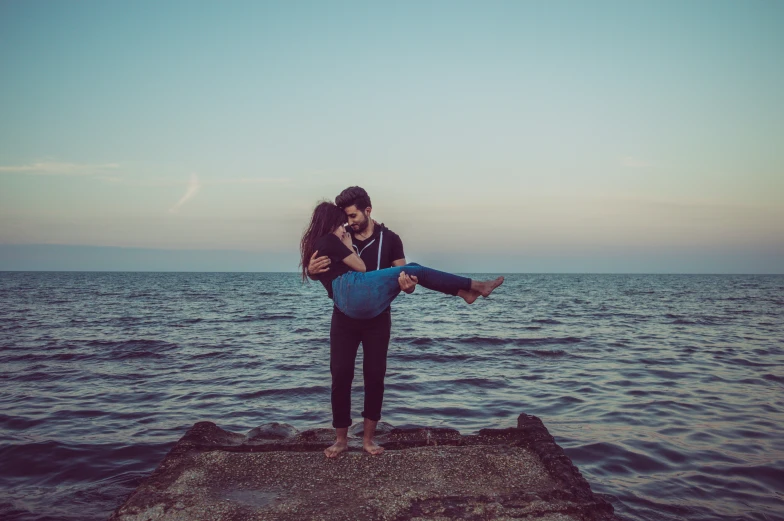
x=383 y=241
x=333 y=248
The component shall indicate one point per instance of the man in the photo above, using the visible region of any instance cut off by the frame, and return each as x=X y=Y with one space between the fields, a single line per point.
x=380 y=248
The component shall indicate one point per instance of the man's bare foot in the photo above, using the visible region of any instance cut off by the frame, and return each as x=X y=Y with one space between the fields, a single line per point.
x=486 y=287
x=371 y=447
x=369 y=431
x=469 y=296
x=335 y=450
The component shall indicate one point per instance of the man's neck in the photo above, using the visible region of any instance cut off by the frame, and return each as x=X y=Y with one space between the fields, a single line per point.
x=365 y=235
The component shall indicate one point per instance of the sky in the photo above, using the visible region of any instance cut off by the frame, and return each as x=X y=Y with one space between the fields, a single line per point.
x=519 y=136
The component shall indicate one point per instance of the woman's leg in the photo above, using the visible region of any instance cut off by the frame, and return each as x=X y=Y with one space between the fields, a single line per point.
x=441 y=281
x=468 y=289
x=435 y=280
x=366 y=295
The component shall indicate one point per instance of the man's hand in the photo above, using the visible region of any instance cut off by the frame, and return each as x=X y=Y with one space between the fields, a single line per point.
x=319 y=265
x=406 y=283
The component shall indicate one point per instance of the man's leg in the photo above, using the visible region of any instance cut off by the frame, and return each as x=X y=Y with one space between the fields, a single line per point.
x=375 y=344
x=343 y=344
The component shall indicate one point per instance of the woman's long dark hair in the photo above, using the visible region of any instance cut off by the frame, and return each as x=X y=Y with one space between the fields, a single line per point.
x=326 y=217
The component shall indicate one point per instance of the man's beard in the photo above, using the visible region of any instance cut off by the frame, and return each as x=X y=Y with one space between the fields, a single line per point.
x=361 y=227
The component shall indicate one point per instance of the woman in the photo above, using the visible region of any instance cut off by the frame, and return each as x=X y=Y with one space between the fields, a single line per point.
x=360 y=294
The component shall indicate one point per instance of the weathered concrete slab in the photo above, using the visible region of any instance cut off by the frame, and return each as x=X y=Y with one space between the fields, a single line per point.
x=278 y=473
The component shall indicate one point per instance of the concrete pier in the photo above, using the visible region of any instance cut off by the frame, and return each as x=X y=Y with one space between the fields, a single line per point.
x=277 y=473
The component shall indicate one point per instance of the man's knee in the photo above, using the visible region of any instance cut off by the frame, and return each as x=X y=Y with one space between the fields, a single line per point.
x=342 y=374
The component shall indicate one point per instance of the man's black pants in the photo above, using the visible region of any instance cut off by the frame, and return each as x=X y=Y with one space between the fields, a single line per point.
x=345 y=335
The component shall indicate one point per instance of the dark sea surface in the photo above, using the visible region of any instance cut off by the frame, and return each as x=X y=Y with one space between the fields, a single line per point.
x=666 y=391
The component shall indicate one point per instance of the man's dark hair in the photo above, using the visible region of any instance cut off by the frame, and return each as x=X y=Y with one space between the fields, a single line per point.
x=353 y=195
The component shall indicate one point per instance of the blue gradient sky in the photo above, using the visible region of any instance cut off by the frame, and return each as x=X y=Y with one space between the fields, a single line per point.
x=493 y=136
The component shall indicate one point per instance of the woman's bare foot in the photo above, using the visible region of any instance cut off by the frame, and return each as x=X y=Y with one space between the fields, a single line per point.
x=485 y=287
x=469 y=296
x=335 y=450
x=371 y=447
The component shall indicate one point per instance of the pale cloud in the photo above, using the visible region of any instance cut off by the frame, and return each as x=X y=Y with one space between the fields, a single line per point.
x=109 y=178
x=193 y=188
x=250 y=181
x=57 y=168
x=139 y=183
x=165 y=182
x=104 y=172
x=633 y=162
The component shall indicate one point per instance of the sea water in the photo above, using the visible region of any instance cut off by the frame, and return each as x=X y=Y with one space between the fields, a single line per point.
x=666 y=391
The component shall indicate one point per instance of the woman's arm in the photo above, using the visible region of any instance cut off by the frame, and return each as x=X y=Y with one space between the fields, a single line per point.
x=352 y=261
x=355 y=263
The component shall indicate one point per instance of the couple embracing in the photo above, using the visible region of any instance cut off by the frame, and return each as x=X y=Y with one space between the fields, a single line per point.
x=362 y=265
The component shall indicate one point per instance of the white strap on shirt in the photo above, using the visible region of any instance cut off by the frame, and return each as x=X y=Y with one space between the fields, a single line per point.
x=380 y=244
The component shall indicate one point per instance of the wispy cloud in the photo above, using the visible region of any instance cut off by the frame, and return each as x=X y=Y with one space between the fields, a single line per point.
x=633 y=162
x=251 y=181
x=57 y=168
x=193 y=188
x=165 y=182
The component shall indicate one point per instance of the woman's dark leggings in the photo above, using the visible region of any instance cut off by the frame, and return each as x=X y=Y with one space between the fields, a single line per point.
x=345 y=335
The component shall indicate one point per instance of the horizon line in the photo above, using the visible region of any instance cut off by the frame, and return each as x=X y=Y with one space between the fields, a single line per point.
x=457 y=272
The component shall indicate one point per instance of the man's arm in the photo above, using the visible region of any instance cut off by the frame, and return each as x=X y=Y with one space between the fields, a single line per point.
x=317 y=266
x=407 y=283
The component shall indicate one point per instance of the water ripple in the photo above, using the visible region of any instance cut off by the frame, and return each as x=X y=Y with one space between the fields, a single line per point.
x=664 y=390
